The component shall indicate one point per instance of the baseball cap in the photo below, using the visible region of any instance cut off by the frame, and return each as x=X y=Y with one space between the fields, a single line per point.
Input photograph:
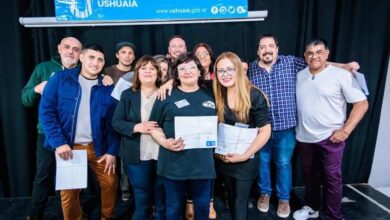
x=124 y=44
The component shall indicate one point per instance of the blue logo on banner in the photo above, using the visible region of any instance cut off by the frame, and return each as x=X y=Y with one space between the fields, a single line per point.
x=210 y=143
x=67 y=10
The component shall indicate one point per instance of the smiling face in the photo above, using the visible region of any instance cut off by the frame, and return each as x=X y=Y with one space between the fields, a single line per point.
x=147 y=74
x=69 y=50
x=125 y=56
x=164 y=69
x=268 y=50
x=176 y=47
x=226 y=73
x=92 y=63
x=204 y=57
x=316 y=57
x=188 y=73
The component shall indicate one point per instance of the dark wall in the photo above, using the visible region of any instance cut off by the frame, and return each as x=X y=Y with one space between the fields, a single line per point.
x=356 y=30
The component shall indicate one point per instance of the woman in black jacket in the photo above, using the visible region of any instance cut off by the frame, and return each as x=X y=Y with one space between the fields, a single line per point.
x=137 y=148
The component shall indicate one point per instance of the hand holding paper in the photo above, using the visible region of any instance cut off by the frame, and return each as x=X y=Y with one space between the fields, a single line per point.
x=72 y=173
x=197 y=132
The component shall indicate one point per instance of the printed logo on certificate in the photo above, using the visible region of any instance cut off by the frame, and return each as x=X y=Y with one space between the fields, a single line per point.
x=233 y=139
x=197 y=132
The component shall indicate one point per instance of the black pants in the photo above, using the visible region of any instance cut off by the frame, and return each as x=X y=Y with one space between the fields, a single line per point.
x=44 y=178
x=238 y=196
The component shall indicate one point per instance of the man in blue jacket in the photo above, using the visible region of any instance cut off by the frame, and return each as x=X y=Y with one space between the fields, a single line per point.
x=75 y=112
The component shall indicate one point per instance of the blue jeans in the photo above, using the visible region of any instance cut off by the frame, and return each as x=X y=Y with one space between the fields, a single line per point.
x=280 y=148
x=147 y=187
x=176 y=191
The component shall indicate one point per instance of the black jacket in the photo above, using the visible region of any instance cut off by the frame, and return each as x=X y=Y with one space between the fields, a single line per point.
x=127 y=115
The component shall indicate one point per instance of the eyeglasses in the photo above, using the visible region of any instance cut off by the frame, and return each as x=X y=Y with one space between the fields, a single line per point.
x=187 y=68
x=228 y=71
x=202 y=54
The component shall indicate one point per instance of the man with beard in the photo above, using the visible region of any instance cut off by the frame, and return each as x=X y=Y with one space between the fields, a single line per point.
x=176 y=46
x=276 y=76
x=69 y=50
x=125 y=53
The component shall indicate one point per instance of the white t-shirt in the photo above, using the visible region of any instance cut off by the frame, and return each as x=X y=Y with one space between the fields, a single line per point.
x=322 y=100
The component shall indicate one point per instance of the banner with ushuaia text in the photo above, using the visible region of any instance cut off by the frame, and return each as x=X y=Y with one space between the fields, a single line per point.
x=68 y=10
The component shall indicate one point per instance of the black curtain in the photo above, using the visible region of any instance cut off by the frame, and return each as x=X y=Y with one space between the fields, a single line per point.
x=356 y=30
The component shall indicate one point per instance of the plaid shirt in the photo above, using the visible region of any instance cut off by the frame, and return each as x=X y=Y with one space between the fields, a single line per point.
x=279 y=86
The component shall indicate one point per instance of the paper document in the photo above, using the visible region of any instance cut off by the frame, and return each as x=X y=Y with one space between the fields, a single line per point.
x=362 y=82
x=197 y=132
x=234 y=140
x=123 y=83
x=72 y=174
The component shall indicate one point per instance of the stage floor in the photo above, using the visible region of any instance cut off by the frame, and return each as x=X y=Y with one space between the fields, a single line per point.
x=360 y=202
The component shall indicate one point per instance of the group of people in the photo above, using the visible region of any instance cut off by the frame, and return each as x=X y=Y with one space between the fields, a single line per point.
x=285 y=98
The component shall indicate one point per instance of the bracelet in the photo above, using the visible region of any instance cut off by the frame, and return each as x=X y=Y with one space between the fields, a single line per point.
x=345 y=131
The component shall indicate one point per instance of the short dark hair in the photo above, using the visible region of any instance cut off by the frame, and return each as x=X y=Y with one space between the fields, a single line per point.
x=267 y=36
x=185 y=58
x=315 y=42
x=94 y=46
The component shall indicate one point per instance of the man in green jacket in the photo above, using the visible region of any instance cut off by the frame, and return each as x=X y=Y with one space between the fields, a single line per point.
x=69 y=50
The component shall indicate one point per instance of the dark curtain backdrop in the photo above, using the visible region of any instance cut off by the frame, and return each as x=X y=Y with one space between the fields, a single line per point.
x=356 y=30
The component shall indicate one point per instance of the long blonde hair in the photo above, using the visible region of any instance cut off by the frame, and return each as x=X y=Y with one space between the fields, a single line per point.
x=242 y=85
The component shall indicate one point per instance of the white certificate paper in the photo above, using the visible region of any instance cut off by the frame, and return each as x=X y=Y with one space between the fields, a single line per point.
x=120 y=86
x=234 y=140
x=72 y=174
x=197 y=132
x=362 y=82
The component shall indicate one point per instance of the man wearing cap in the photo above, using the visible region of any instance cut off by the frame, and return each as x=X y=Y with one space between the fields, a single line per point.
x=76 y=111
x=125 y=53
x=69 y=50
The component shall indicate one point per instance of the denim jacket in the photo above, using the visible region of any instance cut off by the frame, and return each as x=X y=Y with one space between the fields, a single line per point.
x=59 y=107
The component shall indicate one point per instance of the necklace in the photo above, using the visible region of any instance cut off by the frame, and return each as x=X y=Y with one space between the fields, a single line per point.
x=148 y=93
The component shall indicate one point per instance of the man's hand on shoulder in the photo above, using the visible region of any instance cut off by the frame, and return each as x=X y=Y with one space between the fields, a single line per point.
x=162 y=91
x=107 y=80
x=352 y=66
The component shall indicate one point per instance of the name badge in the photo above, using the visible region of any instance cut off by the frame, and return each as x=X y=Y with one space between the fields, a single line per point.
x=209 y=104
x=182 y=103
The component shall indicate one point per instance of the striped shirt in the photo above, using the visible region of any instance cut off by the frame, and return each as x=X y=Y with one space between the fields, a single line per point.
x=279 y=86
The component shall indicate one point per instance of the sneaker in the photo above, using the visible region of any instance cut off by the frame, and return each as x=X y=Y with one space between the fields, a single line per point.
x=283 y=209
x=263 y=203
x=305 y=213
x=126 y=196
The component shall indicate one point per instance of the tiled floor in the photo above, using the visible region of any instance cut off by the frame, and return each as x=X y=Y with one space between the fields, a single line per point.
x=360 y=202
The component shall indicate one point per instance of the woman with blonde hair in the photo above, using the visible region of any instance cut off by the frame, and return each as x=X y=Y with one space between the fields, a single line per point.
x=239 y=104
